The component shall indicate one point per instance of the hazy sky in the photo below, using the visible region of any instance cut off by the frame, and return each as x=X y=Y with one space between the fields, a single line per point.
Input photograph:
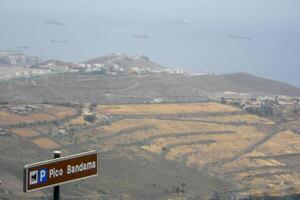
x=97 y=27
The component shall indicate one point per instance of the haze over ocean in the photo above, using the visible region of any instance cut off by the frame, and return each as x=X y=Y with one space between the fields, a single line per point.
x=98 y=27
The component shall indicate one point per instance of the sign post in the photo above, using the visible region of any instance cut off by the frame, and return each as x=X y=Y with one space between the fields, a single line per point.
x=60 y=170
x=56 y=195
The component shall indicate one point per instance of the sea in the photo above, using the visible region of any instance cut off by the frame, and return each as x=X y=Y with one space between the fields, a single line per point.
x=261 y=37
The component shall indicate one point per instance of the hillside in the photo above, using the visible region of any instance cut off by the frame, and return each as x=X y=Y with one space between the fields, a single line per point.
x=156 y=151
x=159 y=134
x=54 y=63
x=88 y=87
x=253 y=83
x=126 y=62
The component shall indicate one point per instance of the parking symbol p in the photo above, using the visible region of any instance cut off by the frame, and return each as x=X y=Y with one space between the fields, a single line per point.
x=43 y=175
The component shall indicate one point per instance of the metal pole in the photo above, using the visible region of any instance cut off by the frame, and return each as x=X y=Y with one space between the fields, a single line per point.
x=56 y=195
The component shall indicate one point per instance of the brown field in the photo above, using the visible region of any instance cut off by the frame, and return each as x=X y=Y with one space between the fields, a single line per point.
x=282 y=143
x=25 y=132
x=277 y=178
x=46 y=143
x=234 y=145
x=248 y=118
x=149 y=109
x=7 y=118
x=227 y=153
x=61 y=112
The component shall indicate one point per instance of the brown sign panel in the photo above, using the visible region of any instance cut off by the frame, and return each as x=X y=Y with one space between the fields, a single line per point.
x=61 y=170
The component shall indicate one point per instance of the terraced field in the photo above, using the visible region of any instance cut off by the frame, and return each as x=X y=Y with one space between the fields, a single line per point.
x=161 y=151
x=243 y=148
x=45 y=114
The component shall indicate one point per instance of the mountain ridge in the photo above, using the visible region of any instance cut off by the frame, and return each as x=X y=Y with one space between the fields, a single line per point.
x=124 y=61
x=139 y=77
x=256 y=83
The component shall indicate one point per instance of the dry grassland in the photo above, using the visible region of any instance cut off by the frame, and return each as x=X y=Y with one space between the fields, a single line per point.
x=177 y=140
x=282 y=143
x=246 y=118
x=46 y=143
x=61 y=112
x=25 y=132
x=150 y=109
x=7 y=118
x=268 y=175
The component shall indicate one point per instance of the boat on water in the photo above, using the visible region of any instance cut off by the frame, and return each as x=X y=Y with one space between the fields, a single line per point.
x=141 y=36
x=185 y=21
x=22 y=47
x=240 y=37
x=62 y=41
x=54 y=22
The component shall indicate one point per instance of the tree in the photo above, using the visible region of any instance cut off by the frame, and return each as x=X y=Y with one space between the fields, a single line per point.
x=90 y=118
